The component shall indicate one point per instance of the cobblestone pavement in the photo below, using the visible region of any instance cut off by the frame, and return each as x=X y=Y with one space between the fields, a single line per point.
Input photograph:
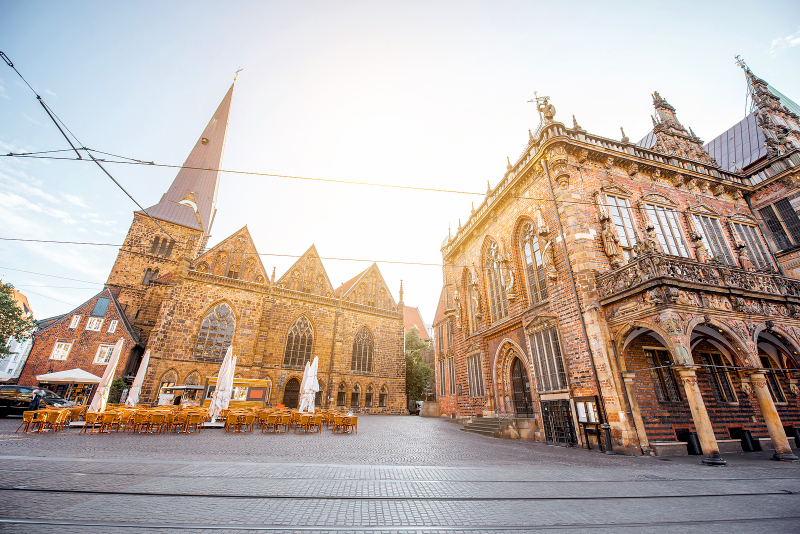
x=398 y=474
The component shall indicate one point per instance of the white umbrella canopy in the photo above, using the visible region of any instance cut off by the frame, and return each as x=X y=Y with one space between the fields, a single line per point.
x=70 y=376
x=136 y=388
x=310 y=386
x=101 y=394
x=222 y=393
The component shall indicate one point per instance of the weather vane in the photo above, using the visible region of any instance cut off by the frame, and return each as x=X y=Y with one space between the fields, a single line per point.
x=237 y=74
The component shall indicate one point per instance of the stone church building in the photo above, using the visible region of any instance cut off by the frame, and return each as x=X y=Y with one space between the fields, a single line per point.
x=189 y=303
x=651 y=287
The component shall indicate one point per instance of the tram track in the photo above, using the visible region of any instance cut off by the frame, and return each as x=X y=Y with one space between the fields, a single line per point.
x=386 y=498
x=398 y=528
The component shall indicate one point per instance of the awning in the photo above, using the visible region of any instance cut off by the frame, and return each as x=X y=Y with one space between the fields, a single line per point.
x=181 y=388
x=70 y=376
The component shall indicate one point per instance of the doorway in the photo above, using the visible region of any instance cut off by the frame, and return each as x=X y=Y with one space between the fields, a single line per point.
x=523 y=406
x=291 y=394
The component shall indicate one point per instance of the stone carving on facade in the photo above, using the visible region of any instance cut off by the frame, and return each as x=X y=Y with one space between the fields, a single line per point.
x=700 y=251
x=557 y=162
x=458 y=309
x=475 y=292
x=718 y=190
x=608 y=236
x=508 y=271
x=672 y=138
x=583 y=155
x=549 y=260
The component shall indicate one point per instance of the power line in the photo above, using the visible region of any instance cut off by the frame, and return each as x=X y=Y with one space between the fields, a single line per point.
x=51 y=298
x=331 y=180
x=51 y=275
x=53 y=287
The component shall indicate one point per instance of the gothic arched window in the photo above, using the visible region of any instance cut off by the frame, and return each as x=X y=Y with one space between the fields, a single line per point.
x=192 y=379
x=341 y=395
x=363 y=348
x=494 y=281
x=216 y=333
x=148 y=274
x=299 y=344
x=368 y=397
x=383 y=397
x=168 y=380
x=154 y=247
x=355 y=397
x=534 y=267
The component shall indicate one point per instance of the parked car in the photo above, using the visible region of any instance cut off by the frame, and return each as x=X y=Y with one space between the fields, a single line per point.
x=15 y=399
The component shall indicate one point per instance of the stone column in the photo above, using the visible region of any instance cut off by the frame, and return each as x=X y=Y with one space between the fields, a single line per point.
x=705 y=432
x=783 y=451
x=637 y=414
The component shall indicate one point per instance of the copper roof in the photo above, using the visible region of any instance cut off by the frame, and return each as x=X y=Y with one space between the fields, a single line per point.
x=197 y=177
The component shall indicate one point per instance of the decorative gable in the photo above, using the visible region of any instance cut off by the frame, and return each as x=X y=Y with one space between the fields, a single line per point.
x=658 y=198
x=615 y=189
x=234 y=257
x=307 y=275
x=704 y=209
x=743 y=218
x=540 y=322
x=370 y=289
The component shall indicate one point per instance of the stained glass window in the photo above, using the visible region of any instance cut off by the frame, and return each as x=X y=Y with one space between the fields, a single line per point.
x=363 y=348
x=299 y=344
x=216 y=333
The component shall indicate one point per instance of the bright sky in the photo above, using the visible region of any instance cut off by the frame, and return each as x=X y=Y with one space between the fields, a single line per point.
x=429 y=94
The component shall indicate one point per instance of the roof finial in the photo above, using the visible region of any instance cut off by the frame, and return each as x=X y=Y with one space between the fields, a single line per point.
x=508 y=167
x=401 y=290
x=625 y=138
x=473 y=208
x=237 y=73
x=488 y=188
x=653 y=119
x=459 y=223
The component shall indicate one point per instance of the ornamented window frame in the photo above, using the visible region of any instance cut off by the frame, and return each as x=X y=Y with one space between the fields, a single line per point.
x=496 y=291
x=208 y=333
x=664 y=217
x=748 y=231
x=535 y=273
x=625 y=225
x=707 y=220
x=363 y=351
x=299 y=344
x=475 y=375
x=547 y=355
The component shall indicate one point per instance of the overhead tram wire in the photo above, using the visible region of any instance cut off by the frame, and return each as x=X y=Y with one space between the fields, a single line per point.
x=133 y=161
x=51 y=275
x=58 y=122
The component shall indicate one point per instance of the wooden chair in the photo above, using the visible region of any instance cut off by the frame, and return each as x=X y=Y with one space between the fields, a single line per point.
x=353 y=424
x=27 y=419
x=286 y=422
x=158 y=420
x=179 y=421
x=247 y=421
x=317 y=423
x=270 y=422
x=89 y=418
x=141 y=420
x=338 y=422
x=304 y=423
x=195 y=422
x=231 y=422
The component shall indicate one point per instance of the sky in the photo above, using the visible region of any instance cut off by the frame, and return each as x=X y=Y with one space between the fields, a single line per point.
x=431 y=94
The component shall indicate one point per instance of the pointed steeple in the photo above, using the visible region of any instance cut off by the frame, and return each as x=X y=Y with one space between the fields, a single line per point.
x=191 y=200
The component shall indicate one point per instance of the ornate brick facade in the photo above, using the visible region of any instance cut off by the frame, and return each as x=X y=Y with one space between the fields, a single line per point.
x=590 y=249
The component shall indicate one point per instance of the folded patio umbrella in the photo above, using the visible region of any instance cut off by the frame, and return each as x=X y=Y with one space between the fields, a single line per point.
x=101 y=394
x=136 y=388
x=222 y=393
x=310 y=386
x=70 y=376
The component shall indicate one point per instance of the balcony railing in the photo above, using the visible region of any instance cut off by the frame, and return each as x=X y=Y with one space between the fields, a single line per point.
x=654 y=266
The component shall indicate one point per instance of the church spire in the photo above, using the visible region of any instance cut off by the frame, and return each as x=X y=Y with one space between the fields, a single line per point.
x=192 y=198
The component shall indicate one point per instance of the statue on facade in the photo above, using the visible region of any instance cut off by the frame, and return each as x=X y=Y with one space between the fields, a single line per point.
x=507 y=271
x=547 y=109
x=549 y=260
x=611 y=245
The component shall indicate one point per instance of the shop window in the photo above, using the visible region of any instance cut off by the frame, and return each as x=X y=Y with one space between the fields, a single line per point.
x=452 y=374
x=664 y=382
x=216 y=333
x=383 y=398
x=94 y=324
x=103 y=354
x=341 y=396
x=718 y=376
x=299 y=344
x=534 y=266
x=548 y=360
x=475 y=373
x=668 y=230
x=363 y=347
x=61 y=350
x=772 y=380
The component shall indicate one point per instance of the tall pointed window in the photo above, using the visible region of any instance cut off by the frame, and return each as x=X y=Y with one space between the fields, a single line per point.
x=154 y=247
x=783 y=224
x=712 y=235
x=621 y=216
x=772 y=379
x=548 y=360
x=299 y=344
x=668 y=230
x=751 y=237
x=534 y=267
x=494 y=279
x=216 y=333
x=664 y=382
x=363 y=347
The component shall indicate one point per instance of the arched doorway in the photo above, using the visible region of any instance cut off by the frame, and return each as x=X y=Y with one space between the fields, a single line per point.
x=291 y=393
x=523 y=406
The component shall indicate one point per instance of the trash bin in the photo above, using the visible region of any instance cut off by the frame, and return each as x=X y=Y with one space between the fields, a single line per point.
x=692 y=443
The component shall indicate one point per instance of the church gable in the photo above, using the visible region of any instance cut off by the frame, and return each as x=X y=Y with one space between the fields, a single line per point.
x=307 y=275
x=370 y=289
x=234 y=257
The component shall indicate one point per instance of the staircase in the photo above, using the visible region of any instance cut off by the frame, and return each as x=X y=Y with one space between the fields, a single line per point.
x=486 y=426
